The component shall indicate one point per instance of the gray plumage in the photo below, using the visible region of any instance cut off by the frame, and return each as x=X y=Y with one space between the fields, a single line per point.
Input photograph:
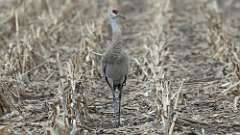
x=115 y=63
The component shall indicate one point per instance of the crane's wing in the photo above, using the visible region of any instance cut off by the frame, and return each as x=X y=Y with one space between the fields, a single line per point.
x=104 y=69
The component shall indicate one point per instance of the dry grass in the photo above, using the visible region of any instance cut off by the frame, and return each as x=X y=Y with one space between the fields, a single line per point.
x=184 y=79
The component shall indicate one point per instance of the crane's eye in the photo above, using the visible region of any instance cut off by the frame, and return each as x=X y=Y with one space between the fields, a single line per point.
x=115 y=11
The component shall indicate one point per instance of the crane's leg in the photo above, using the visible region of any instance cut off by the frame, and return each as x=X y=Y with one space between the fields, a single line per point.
x=119 y=105
x=114 y=106
x=120 y=86
x=108 y=83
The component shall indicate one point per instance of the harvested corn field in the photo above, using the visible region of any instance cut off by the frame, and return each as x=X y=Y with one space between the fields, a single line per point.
x=184 y=76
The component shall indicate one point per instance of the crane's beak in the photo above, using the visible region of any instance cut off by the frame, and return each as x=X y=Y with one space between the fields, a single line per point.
x=121 y=16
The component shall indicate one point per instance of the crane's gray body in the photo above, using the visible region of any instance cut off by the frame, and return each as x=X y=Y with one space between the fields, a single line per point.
x=115 y=65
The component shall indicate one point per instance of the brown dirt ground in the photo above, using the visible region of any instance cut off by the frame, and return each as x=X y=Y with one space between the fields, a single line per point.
x=47 y=45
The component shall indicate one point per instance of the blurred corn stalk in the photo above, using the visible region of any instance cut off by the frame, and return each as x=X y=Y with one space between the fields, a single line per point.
x=164 y=13
x=153 y=67
x=56 y=123
x=216 y=37
x=155 y=46
x=155 y=43
x=10 y=102
x=6 y=100
x=164 y=105
x=73 y=101
x=166 y=102
x=77 y=107
x=224 y=45
x=73 y=96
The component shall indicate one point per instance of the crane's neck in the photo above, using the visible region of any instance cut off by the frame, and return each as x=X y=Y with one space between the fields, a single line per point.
x=116 y=30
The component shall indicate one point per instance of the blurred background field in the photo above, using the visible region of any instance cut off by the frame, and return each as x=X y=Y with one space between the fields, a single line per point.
x=184 y=76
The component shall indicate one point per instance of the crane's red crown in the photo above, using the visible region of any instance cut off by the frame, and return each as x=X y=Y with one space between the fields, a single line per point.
x=115 y=11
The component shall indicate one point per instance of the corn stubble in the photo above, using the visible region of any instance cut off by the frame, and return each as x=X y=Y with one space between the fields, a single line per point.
x=184 y=72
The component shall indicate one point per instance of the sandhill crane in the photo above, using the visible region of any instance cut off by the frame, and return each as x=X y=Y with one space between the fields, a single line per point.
x=115 y=63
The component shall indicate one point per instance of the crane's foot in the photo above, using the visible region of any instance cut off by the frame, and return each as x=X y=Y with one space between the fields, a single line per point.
x=116 y=121
x=119 y=123
x=116 y=124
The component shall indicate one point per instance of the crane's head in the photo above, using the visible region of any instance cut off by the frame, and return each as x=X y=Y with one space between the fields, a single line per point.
x=113 y=13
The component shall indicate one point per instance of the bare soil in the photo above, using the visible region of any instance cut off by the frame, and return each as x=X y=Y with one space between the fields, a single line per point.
x=50 y=53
